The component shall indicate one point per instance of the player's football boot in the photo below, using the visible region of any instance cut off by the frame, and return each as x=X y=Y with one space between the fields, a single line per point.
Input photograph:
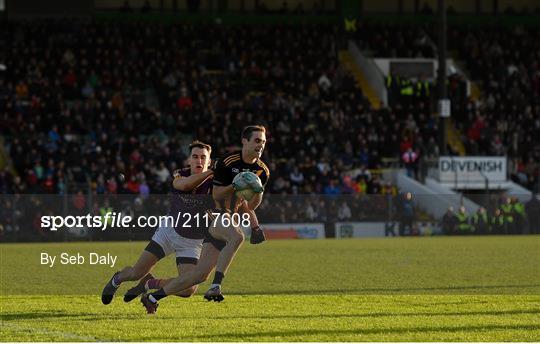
x=108 y=292
x=138 y=289
x=150 y=306
x=214 y=294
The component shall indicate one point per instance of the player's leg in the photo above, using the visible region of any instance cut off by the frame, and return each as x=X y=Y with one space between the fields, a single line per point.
x=233 y=237
x=201 y=270
x=194 y=272
x=153 y=283
x=158 y=248
x=141 y=268
x=230 y=236
x=183 y=268
x=144 y=264
x=188 y=278
x=188 y=252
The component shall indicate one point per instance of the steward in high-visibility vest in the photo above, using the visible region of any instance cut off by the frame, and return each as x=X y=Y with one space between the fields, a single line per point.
x=480 y=222
x=103 y=211
x=498 y=224
x=427 y=86
x=520 y=216
x=406 y=88
x=393 y=87
x=463 y=221
x=421 y=89
x=508 y=213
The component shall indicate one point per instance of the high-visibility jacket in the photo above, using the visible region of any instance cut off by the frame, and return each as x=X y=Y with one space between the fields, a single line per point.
x=103 y=211
x=519 y=209
x=463 y=225
x=406 y=88
x=498 y=224
x=507 y=210
x=477 y=218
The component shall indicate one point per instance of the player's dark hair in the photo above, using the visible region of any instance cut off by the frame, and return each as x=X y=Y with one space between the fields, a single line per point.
x=200 y=144
x=246 y=133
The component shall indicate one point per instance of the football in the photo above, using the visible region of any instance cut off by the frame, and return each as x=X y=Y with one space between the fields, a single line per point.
x=246 y=194
x=244 y=190
x=242 y=180
x=239 y=182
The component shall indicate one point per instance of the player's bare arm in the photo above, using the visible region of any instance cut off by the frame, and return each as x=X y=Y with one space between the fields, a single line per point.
x=257 y=234
x=245 y=209
x=255 y=201
x=222 y=192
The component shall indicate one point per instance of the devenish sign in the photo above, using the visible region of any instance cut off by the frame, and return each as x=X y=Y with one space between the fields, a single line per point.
x=472 y=169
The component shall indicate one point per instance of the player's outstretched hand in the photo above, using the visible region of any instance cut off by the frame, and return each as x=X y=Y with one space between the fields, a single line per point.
x=257 y=235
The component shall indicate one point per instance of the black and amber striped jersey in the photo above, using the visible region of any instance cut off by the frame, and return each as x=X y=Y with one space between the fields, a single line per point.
x=228 y=167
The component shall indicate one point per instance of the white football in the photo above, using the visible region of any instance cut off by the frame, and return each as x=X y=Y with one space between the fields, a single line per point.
x=246 y=194
x=240 y=182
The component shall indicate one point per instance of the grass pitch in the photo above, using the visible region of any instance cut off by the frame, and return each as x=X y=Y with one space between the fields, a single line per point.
x=403 y=289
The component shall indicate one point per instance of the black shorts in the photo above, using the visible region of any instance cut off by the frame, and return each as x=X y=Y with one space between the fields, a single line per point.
x=218 y=244
x=156 y=249
x=186 y=260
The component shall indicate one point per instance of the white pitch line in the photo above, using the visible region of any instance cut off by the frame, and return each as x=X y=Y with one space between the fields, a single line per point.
x=65 y=335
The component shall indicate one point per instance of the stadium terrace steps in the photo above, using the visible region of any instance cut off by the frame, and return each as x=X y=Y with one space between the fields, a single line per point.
x=475 y=91
x=432 y=198
x=454 y=138
x=455 y=198
x=347 y=60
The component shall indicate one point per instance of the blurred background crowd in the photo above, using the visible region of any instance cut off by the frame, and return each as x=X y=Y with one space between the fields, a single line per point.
x=83 y=101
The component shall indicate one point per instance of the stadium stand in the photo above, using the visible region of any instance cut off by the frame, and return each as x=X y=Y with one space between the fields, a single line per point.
x=84 y=101
x=506 y=120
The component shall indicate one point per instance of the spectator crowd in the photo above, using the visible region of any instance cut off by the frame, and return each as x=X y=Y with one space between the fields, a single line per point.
x=85 y=101
x=82 y=102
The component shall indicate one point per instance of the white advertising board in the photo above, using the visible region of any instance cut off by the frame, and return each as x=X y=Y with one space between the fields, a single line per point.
x=472 y=169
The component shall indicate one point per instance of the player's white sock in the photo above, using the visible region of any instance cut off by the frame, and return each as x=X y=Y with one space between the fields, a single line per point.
x=215 y=285
x=151 y=298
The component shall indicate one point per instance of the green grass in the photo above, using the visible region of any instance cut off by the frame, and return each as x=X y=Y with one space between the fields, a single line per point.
x=406 y=289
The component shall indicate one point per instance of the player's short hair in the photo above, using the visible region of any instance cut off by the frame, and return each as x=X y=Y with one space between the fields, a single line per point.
x=200 y=144
x=250 y=129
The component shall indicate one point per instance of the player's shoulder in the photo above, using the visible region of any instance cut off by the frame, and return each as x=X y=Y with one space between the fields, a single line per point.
x=182 y=172
x=263 y=165
x=231 y=158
